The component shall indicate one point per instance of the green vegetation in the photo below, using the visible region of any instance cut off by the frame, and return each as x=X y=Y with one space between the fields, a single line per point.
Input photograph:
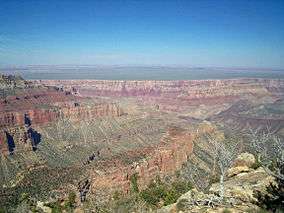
x=71 y=201
x=215 y=178
x=24 y=196
x=256 y=164
x=117 y=195
x=134 y=184
x=160 y=193
x=156 y=195
x=273 y=199
x=55 y=207
x=182 y=204
x=226 y=211
x=69 y=204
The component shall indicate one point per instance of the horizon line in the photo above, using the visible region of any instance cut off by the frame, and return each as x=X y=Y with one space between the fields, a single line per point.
x=10 y=66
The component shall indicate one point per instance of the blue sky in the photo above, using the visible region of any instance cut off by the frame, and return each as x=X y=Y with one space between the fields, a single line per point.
x=190 y=32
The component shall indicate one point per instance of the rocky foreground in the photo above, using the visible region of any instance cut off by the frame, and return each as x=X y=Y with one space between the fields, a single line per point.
x=241 y=185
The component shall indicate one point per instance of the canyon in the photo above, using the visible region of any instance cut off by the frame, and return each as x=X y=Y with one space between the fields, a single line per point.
x=104 y=132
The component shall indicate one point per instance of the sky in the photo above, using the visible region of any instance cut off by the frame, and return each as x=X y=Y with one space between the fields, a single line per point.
x=243 y=33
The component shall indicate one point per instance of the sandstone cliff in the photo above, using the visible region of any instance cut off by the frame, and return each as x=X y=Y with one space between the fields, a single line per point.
x=173 y=150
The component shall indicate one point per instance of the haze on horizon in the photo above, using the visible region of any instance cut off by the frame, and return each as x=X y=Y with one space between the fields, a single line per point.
x=183 y=32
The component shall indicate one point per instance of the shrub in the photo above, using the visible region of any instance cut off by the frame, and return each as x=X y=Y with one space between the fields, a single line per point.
x=256 y=164
x=116 y=195
x=273 y=199
x=171 y=197
x=182 y=187
x=158 y=191
x=214 y=179
x=70 y=203
x=24 y=196
x=177 y=174
x=55 y=207
x=182 y=205
x=153 y=194
x=124 y=203
x=134 y=184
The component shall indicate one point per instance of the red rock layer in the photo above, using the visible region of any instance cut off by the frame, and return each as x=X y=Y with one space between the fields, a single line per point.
x=15 y=120
x=38 y=116
x=29 y=99
x=42 y=104
x=41 y=116
x=163 y=160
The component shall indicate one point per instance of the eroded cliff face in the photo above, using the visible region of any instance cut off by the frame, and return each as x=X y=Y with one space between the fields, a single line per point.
x=191 y=89
x=38 y=116
x=13 y=122
x=177 y=96
x=165 y=159
x=42 y=105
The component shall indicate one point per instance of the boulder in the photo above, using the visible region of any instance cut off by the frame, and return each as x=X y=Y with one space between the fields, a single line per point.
x=237 y=170
x=242 y=186
x=243 y=163
x=245 y=159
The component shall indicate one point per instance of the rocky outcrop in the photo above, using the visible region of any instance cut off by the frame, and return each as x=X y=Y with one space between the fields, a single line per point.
x=243 y=163
x=243 y=185
x=239 y=192
x=40 y=104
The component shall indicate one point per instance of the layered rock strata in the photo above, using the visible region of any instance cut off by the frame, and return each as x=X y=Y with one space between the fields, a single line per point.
x=173 y=150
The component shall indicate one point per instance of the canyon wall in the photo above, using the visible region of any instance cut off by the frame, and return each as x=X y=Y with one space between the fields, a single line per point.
x=43 y=116
x=189 y=89
x=43 y=105
x=13 y=122
x=165 y=159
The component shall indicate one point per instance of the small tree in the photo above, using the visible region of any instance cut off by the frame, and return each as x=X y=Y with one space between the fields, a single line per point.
x=193 y=174
x=224 y=154
x=270 y=153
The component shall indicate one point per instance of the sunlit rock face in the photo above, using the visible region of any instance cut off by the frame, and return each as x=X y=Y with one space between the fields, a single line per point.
x=165 y=159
